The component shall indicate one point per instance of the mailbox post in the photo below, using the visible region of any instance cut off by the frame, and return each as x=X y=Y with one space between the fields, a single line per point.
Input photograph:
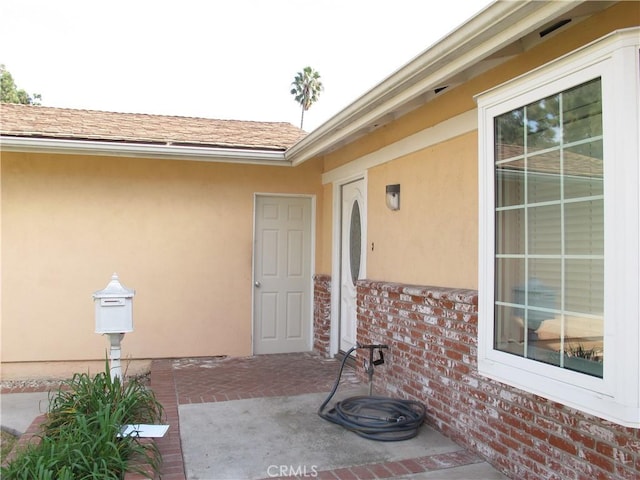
x=113 y=306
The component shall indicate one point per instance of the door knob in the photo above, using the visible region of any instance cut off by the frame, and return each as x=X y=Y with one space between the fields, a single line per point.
x=258 y=284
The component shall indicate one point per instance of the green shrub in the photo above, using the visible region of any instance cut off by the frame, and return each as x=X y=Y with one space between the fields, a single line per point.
x=79 y=439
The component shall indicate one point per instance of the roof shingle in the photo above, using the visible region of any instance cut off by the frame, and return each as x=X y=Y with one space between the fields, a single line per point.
x=70 y=124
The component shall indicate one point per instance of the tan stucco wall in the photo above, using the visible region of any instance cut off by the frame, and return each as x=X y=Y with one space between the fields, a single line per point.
x=179 y=233
x=432 y=240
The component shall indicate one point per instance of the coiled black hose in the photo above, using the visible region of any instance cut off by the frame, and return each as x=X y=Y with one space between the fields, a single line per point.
x=372 y=417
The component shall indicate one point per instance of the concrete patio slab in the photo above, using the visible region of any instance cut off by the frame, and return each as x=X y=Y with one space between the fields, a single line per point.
x=283 y=436
x=482 y=471
x=18 y=410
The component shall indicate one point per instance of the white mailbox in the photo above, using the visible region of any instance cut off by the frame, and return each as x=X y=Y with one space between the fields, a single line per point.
x=113 y=308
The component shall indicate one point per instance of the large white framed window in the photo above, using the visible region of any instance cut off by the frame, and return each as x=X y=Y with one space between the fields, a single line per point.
x=559 y=288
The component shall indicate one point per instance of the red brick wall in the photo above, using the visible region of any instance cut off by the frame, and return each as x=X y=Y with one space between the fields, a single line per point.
x=432 y=338
x=321 y=314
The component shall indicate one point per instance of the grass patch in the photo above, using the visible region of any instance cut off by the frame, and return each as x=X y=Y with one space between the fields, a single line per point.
x=79 y=438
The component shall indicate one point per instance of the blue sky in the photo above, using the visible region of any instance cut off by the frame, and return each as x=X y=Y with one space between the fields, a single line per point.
x=232 y=59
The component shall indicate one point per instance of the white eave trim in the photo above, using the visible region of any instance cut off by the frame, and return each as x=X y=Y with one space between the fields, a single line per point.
x=167 y=152
x=496 y=26
x=451 y=128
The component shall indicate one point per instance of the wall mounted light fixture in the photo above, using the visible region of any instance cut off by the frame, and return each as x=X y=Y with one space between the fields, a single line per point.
x=393 y=197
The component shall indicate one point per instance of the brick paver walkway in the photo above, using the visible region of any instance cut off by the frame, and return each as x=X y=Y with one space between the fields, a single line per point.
x=203 y=380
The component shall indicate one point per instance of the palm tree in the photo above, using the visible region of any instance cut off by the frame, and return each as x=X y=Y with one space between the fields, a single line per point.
x=306 y=88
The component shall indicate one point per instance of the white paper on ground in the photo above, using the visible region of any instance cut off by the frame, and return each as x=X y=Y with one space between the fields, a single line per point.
x=143 y=430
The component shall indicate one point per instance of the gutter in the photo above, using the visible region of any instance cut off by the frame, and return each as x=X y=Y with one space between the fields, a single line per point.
x=163 y=151
x=500 y=24
x=497 y=26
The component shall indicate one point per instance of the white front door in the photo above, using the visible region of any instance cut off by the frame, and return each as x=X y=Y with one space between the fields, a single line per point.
x=353 y=253
x=282 y=275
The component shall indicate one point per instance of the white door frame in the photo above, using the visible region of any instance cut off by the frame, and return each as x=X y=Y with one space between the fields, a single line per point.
x=334 y=336
x=312 y=257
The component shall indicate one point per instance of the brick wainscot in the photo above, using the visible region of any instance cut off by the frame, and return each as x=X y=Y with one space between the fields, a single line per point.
x=321 y=314
x=432 y=357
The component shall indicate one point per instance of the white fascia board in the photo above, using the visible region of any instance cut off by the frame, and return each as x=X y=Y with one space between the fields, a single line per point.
x=499 y=25
x=166 y=152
